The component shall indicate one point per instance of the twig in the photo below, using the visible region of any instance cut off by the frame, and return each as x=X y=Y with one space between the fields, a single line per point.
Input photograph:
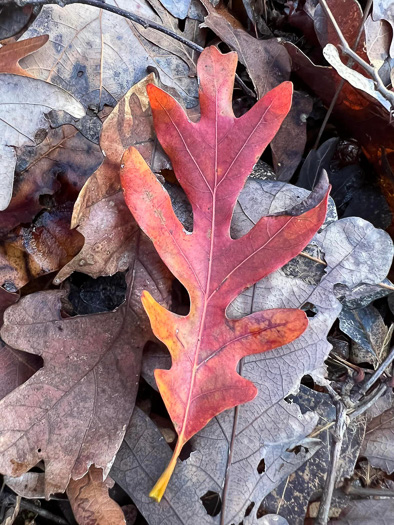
x=372 y=72
x=375 y=376
x=340 y=427
x=28 y=505
x=368 y=492
x=356 y=412
x=342 y=82
x=144 y=22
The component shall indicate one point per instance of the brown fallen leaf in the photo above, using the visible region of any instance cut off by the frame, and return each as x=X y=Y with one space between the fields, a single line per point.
x=100 y=212
x=73 y=412
x=91 y=502
x=15 y=367
x=43 y=247
x=10 y=54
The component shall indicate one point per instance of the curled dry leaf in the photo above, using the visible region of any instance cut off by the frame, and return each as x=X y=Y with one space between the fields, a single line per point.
x=20 y=96
x=43 y=247
x=106 y=72
x=91 y=502
x=211 y=160
x=58 y=166
x=73 y=413
x=250 y=446
x=100 y=212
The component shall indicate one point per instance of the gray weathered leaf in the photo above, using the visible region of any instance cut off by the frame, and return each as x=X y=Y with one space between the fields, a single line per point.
x=24 y=102
x=378 y=444
x=367 y=512
x=243 y=454
x=378 y=37
x=86 y=53
x=177 y=8
x=383 y=10
x=365 y=326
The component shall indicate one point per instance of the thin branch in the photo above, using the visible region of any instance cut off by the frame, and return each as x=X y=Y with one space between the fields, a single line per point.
x=342 y=82
x=340 y=427
x=144 y=22
x=372 y=72
x=375 y=376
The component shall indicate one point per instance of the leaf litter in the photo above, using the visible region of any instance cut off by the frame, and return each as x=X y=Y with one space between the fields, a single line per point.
x=252 y=463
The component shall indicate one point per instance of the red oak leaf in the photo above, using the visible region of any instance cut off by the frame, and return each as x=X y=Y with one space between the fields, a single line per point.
x=211 y=159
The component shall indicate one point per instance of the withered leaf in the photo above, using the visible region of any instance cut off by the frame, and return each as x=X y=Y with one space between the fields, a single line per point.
x=106 y=72
x=268 y=64
x=100 y=211
x=15 y=366
x=74 y=411
x=14 y=19
x=42 y=247
x=91 y=502
x=382 y=10
x=266 y=61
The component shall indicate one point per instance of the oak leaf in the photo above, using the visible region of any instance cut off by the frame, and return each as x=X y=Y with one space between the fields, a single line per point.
x=74 y=411
x=212 y=159
x=252 y=446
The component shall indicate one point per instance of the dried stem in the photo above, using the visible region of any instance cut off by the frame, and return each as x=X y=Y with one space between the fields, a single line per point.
x=342 y=82
x=340 y=427
x=372 y=72
x=375 y=376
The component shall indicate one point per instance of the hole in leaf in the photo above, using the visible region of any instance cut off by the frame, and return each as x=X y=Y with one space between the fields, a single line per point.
x=310 y=313
x=249 y=508
x=186 y=451
x=297 y=449
x=39 y=450
x=212 y=503
x=289 y=400
x=260 y=469
x=181 y=24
